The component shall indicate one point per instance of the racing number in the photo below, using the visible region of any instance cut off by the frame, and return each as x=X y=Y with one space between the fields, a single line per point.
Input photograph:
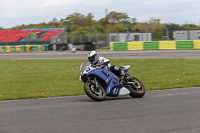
x=88 y=69
x=115 y=91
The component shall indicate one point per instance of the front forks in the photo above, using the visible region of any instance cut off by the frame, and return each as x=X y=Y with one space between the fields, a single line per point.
x=93 y=81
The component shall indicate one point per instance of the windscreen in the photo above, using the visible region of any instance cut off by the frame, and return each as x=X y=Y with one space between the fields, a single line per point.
x=84 y=65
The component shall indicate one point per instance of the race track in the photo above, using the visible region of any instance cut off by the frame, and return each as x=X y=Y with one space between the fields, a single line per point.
x=164 y=111
x=146 y=54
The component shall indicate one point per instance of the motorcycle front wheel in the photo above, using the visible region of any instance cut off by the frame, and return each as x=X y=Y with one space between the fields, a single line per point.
x=138 y=90
x=96 y=93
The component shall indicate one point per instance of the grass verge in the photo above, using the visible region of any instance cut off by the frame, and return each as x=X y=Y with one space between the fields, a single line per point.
x=21 y=79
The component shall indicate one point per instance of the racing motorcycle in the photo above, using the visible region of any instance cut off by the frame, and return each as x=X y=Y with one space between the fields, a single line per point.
x=99 y=82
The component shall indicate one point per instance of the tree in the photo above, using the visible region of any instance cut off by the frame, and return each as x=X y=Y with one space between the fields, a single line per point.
x=117 y=21
x=89 y=19
x=75 y=19
x=118 y=17
x=114 y=21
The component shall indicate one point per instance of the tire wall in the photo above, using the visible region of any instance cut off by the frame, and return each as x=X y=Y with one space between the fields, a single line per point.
x=24 y=48
x=156 y=45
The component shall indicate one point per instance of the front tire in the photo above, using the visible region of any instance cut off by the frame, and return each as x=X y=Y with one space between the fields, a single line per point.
x=95 y=93
x=138 y=90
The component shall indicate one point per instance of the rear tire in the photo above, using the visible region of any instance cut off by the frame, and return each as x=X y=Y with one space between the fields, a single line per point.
x=136 y=92
x=97 y=94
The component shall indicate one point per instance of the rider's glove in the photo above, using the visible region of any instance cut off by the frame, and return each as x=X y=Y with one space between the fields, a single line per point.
x=122 y=73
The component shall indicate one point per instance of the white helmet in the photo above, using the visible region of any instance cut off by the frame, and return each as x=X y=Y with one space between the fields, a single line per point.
x=93 y=57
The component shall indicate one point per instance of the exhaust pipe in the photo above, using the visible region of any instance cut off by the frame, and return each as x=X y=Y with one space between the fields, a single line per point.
x=132 y=83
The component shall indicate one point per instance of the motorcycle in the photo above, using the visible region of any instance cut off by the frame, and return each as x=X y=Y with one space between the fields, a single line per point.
x=99 y=82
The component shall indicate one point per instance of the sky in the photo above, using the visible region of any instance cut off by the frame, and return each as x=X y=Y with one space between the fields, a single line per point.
x=18 y=12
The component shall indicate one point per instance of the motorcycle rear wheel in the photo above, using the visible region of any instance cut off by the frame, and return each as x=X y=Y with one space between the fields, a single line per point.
x=95 y=93
x=138 y=91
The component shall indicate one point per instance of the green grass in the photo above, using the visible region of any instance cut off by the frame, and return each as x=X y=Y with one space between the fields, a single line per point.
x=21 y=79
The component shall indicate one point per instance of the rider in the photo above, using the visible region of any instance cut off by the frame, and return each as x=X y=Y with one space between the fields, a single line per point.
x=94 y=59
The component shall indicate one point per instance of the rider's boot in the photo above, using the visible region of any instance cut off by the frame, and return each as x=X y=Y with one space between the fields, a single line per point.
x=122 y=74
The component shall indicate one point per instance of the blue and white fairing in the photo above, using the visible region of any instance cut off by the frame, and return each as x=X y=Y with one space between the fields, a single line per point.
x=106 y=77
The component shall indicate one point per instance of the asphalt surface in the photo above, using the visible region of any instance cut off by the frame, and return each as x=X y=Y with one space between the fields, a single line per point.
x=145 y=54
x=163 y=111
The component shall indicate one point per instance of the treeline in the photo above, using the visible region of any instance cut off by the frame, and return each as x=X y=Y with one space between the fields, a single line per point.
x=113 y=22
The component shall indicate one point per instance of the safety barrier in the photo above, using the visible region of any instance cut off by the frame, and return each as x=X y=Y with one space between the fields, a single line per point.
x=120 y=46
x=184 y=44
x=45 y=47
x=196 y=44
x=7 y=48
x=135 y=45
x=23 y=48
x=28 y=48
x=3 y=48
x=17 y=48
x=155 y=45
x=34 y=47
x=167 y=45
x=111 y=46
x=40 y=48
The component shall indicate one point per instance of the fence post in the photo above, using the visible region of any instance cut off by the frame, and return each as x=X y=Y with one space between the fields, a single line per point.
x=117 y=35
x=6 y=40
x=72 y=36
x=167 y=33
x=127 y=34
x=97 y=39
x=89 y=37
x=80 y=37
x=28 y=38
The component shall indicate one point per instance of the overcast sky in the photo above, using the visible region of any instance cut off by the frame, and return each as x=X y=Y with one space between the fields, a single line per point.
x=18 y=12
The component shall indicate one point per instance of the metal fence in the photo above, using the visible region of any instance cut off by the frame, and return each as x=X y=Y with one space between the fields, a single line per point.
x=100 y=39
x=103 y=39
